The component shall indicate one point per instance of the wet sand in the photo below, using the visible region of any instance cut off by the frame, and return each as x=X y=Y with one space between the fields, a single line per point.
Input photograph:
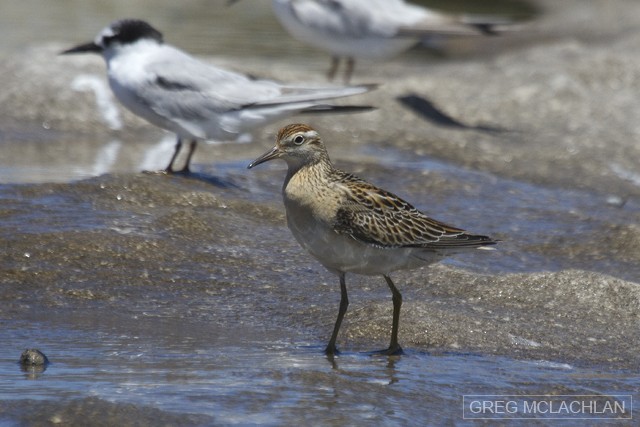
x=190 y=291
x=117 y=238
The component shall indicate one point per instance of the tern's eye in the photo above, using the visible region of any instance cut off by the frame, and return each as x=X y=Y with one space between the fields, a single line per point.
x=108 y=39
x=298 y=140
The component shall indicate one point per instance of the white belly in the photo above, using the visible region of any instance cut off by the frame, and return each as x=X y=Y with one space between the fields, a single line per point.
x=341 y=253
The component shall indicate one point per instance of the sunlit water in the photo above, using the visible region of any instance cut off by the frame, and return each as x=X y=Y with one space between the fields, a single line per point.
x=277 y=382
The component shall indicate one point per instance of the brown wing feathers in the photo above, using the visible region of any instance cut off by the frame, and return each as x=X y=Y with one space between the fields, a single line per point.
x=380 y=218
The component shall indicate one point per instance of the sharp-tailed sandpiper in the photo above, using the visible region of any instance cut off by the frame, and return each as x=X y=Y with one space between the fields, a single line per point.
x=351 y=226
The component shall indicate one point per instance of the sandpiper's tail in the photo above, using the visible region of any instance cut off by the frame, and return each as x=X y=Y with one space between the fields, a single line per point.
x=462 y=240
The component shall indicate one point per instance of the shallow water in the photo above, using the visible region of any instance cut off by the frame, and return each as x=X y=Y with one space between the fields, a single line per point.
x=242 y=378
x=185 y=301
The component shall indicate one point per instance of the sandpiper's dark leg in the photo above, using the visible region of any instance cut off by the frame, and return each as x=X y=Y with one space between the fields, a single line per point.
x=335 y=61
x=169 y=169
x=348 y=71
x=394 y=347
x=192 y=148
x=344 y=303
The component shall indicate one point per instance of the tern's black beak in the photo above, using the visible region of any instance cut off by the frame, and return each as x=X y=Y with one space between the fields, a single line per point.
x=83 y=48
x=274 y=153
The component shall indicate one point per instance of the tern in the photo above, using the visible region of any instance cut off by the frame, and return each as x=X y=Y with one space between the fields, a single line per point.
x=373 y=29
x=197 y=101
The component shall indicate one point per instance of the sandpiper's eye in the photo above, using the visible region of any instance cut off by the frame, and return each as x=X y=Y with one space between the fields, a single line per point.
x=298 y=140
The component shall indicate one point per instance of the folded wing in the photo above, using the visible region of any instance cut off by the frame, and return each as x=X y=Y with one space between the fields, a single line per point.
x=380 y=218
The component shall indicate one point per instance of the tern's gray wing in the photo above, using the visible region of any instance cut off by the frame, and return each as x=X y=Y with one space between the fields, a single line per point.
x=197 y=96
x=189 y=95
x=179 y=82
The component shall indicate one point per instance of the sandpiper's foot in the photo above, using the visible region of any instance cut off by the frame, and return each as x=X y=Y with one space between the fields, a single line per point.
x=331 y=351
x=395 y=350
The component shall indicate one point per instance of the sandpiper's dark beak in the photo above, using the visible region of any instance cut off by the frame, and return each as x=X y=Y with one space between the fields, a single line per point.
x=231 y=2
x=83 y=48
x=274 y=153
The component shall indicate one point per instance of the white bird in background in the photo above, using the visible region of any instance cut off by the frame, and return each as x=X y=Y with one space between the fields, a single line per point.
x=197 y=101
x=372 y=29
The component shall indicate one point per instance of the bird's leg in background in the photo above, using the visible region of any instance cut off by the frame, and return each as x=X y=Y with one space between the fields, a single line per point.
x=348 y=71
x=394 y=347
x=333 y=68
x=344 y=303
x=192 y=148
x=169 y=169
